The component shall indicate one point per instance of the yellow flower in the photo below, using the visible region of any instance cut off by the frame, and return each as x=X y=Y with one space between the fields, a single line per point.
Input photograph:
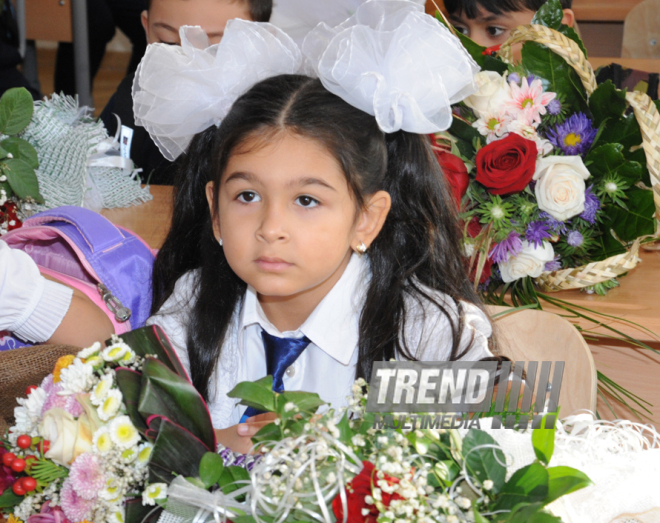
x=62 y=363
x=144 y=453
x=123 y=433
x=13 y=519
x=110 y=405
x=103 y=441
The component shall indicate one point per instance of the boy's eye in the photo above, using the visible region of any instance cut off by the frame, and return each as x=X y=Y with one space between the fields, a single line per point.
x=307 y=201
x=249 y=197
x=495 y=31
x=462 y=29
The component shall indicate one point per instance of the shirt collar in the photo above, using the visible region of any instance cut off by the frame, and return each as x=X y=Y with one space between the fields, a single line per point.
x=333 y=326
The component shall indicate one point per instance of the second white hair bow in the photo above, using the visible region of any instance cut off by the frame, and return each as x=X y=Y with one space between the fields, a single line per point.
x=395 y=62
x=180 y=91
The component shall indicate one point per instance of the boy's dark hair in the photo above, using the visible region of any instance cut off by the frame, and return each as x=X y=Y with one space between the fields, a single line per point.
x=419 y=247
x=497 y=7
x=260 y=10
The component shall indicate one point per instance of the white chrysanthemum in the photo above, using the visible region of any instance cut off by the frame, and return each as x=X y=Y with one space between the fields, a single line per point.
x=117 y=514
x=103 y=441
x=111 y=405
x=76 y=378
x=123 y=432
x=144 y=454
x=128 y=358
x=96 y=362
x=154 y=492
x=100 y=391
x=90 y=351
x=115 y=352
x=28 y=414
x=112 y=491
x=129 y=455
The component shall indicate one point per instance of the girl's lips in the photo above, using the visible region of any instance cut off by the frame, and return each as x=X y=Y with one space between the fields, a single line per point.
x=272 y=264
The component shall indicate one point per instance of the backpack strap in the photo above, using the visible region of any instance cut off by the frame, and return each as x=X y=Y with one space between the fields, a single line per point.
x=98 y=232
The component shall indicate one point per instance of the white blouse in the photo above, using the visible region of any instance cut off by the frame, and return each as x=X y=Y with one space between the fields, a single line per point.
x=327 y=365
x=31 y=307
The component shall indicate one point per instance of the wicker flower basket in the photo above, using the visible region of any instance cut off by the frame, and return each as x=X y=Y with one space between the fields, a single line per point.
x=649 y=123
x=20 y=368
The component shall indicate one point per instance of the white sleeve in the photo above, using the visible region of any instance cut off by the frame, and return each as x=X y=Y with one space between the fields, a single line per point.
x=173 y=316
x=428 y=331
x=31 y=307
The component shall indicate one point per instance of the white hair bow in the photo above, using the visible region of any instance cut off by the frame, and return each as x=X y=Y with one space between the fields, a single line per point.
x=180 y=91
x=395 y=62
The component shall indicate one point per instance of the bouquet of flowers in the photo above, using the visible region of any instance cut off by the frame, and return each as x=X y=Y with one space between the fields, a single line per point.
x=554 y=185
x=90 y=440
x=18 y=159
x=340 y=466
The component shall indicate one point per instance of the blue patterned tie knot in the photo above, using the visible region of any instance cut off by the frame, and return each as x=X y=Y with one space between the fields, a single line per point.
x=281 y=353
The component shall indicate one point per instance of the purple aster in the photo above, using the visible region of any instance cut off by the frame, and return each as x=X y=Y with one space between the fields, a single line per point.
x=510 y=246
x=554 y=107
x=574 y=136
x=553 y=265
x=514 y=77
x=555 y=225
x=574 y=238
x=531 y=78
x=591 y=206
x=536 y=233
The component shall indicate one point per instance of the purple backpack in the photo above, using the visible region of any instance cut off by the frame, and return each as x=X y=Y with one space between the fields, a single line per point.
x=82 y=249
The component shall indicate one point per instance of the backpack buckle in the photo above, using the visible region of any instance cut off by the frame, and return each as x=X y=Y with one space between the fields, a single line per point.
x=113 y=304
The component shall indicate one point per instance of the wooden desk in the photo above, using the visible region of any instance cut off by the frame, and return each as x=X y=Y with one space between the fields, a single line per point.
x=151 y=220
x=602 y=10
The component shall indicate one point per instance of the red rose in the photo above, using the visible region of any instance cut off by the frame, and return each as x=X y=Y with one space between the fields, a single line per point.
x=507 y=165
x=455 y=173
x=360 y=488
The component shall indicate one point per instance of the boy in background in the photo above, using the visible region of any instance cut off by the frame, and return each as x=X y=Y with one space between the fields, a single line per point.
x=490 y=22
x=161 y=22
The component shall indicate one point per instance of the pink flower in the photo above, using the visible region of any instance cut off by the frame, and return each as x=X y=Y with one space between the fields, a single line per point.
x=87 y=476
x=53 y=399
x=75 y=508
x=528 y=102
x=48 y=514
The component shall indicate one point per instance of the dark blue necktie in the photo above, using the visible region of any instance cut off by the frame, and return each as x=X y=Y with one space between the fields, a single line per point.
x=280 y=355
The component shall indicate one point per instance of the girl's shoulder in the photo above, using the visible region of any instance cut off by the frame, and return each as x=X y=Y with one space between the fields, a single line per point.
x=433 y=318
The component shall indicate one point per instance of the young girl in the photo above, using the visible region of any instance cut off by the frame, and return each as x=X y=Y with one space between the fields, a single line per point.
x=298 y=217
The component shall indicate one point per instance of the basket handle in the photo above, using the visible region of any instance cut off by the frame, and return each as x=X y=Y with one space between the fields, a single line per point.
x=645 y=110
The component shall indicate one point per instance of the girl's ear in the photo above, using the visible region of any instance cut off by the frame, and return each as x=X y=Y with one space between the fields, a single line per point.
x=569 y=18
x=371 y=219
x=214 y=220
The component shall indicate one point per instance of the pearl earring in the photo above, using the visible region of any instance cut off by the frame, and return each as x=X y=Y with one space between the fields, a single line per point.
x=361 y=248
x=220 y=242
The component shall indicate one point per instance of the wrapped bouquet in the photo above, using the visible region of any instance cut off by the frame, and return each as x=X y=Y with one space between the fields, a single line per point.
x=558 y=175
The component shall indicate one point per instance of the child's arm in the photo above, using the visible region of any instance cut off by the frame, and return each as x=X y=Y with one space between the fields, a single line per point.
x=238 y=438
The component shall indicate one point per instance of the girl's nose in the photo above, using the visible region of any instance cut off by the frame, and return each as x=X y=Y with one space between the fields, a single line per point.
x=273 y=226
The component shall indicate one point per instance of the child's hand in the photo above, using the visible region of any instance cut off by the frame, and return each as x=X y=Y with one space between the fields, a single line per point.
x=239 y=437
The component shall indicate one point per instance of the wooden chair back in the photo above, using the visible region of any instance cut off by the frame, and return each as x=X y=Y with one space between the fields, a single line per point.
x=641 y=31
x=533 y=335
x=48 y=20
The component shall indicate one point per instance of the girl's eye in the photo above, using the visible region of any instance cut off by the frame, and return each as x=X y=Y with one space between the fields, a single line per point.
x=307 y=201
x=495 y=31
x=462 y=29
x=249 y=197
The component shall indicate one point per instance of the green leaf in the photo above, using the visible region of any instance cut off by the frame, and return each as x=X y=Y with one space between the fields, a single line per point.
x=550 y=14
x=607 y=102
x=165 y=393
x=639 y=156
x=624 y=131
x=258 y=394
x=607 y=160
x=564 y=480
x=270 y=432
x=3 y=153
x=306 y=402
x=531 y=513
x=176 y=452
x=485 y=463
x=21 y=149
x=16 y=108
x=130 y=384
x=478 y=518
x=543 y=441
x=560 y=77
x=527 y=485
x=153 y=341
x=233 y=478
x=22 y=179
x=7 y=188
x=629 y=224
x=136 y=512
x=211 y=468
x=8 y=499
x=344 y=428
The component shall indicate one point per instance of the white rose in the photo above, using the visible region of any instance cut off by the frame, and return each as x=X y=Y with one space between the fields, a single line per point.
x=68 y=437
x=530 y=262
x=560 y=186
x=493 y=92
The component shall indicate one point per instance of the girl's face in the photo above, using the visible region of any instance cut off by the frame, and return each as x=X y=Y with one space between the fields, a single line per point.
x=287 y=218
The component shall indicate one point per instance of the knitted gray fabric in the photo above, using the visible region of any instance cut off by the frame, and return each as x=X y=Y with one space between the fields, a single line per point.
x=65 y=138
